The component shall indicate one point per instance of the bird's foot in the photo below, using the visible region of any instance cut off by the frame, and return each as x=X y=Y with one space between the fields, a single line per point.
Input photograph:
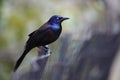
x=46 y=47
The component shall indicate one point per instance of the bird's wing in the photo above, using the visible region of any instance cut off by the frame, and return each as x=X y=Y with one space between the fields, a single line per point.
x=31 y=33
x=37 y=36
x=41 y=29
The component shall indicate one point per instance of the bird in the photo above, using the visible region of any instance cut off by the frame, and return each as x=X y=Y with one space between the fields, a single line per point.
x=45 y=35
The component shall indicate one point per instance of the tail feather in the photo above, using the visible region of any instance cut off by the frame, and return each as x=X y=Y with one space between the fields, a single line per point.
x=21 y=59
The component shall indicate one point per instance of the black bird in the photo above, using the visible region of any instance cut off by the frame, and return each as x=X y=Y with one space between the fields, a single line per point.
x=46 y=34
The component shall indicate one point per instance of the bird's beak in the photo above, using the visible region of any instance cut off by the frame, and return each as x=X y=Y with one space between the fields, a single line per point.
x=64 y=18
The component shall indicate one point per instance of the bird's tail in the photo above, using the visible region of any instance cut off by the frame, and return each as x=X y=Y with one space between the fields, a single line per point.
x=19 y=61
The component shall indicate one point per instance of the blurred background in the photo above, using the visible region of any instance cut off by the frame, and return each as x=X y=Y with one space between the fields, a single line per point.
x=18 y=18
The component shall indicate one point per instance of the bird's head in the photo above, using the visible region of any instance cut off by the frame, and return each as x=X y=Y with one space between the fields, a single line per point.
x=56 y=19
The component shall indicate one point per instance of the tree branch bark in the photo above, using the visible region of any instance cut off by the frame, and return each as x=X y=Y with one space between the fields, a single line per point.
x=38 y=65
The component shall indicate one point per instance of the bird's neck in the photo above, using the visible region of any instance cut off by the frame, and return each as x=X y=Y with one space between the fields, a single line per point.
x=56 y=29
x=56 y=26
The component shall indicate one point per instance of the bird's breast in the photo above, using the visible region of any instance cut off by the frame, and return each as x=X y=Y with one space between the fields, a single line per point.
x=54 y=34
x=51 y=36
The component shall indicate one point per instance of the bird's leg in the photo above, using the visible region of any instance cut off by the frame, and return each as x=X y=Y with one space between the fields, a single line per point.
x=46 y=47
x=44 y=51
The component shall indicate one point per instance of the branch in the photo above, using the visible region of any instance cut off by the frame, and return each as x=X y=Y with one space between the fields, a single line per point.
x=38 y=64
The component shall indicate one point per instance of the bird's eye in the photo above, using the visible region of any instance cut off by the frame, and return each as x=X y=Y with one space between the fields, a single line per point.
x=58 y=18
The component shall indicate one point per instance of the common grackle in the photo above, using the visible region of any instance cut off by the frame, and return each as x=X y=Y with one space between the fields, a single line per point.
x=46 y=34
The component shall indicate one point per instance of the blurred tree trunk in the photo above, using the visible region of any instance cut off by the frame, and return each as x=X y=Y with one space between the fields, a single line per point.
x=95 y=58
x=60 y=66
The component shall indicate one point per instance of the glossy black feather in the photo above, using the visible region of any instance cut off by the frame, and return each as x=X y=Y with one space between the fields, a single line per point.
x=45 y=35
